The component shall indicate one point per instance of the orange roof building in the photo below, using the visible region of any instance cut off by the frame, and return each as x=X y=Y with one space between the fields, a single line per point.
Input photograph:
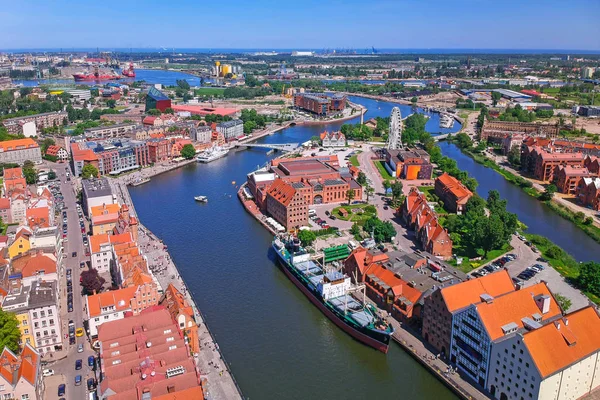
x=13 y=179
x=101 y=253
x=146 y=356
x=440 y=306
x=20 y=150
x=553 y=360
x=286 y=204
x=452 y=192
x=112 y=304
x=183 y=314
x=35 y=265
x=20 y=376
x=479 y=327
x=104 y=218
x=38 y=217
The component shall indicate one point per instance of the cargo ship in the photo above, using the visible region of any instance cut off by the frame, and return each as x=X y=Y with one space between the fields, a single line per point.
x=129 y=72
x=332 y=292
x=95 y=76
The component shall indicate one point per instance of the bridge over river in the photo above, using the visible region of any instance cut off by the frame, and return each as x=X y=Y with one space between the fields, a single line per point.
x=274 y=146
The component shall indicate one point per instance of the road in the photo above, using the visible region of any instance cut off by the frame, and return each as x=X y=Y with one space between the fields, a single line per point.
x=66 y=365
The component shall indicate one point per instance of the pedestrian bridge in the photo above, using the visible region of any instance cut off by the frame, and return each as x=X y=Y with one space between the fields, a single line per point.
x=437 y=138
x=275 y=146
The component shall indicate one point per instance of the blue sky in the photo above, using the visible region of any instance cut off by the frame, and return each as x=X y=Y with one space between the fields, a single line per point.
x=306 y=24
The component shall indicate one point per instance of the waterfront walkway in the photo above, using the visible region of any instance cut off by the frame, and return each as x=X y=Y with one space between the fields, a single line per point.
x=219 y=383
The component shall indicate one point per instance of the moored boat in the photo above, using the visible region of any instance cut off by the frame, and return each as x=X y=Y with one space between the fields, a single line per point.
x=212 y=154
x=333 y=293
x=202 y=199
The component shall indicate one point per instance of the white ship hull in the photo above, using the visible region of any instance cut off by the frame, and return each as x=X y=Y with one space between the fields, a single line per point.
x=211 y=156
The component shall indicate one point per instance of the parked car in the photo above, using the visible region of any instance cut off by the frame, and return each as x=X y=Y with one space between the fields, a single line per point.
x=74 y=254
x=80 y=348
x=91 y=384
x=72 y=339
x=82 y=264
x=77 y=380
x=78 y=364
x=70 y=308
x=91 y=361
x=47 y=372
x=69 y=270
x=62 y=389
x=79 y=332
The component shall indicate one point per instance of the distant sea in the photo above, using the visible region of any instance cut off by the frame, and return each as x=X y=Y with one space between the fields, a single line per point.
x=319 y=50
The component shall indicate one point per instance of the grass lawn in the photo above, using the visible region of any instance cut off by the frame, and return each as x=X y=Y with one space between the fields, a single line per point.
x=209 y=91
x=382 y=171
x=468 y=266
x=354 y=161
x=367 y=211
x=376 y=139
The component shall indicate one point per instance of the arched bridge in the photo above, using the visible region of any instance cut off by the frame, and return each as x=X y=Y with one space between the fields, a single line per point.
x=441 y=137
x=275 y=146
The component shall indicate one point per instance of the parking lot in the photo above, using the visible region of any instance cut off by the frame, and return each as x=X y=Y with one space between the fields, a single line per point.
x=526 y=258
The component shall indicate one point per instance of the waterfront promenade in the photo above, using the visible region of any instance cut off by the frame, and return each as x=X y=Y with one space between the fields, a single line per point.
x=219 y=383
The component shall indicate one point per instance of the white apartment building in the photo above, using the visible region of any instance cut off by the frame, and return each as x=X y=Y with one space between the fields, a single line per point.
x=231 y=129
x=555 y=361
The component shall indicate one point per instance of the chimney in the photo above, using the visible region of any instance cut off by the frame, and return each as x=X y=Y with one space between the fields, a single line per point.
x=566 y=321
x=543 y=303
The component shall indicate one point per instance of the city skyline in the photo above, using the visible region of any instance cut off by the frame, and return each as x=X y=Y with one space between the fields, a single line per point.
x=268 y=25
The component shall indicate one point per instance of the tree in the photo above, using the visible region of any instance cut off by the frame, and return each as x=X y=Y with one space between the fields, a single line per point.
x=563 y=302
x=369 y=190
x=549 y=192
x=29 y=172
x=169 y=110
x=350 y=195
x=488 y=233
x=249 y=126
x=89 y=171
x=355 y=230
x=396 y=190
x=154 y=112
x=51 y=175
x=91 y=281
x=414 y=100
x=495 y=97
x=514 y=156
x=361 y=179
x=315 y=139
x=589 y=277
x=111 y=103
x=307 y=237
x=188 y=152
x=386 y=185
x=47 y=143
x=10 y=335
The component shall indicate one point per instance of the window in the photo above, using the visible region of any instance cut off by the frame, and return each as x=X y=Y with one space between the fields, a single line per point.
x=26 y=331
x=115 y=362
x=49 y=313
x=42 y=314
x=25 y=396
x=173 y=347
x=170 y=339
x=35 y=314
x=51 y=322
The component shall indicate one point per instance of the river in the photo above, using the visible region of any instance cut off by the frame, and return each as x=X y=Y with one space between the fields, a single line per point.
x=278 y=344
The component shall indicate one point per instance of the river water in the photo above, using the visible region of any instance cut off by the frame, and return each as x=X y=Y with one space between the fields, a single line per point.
x=278 y=344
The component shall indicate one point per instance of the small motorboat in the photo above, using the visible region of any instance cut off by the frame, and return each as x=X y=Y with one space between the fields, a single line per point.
x=202 y=199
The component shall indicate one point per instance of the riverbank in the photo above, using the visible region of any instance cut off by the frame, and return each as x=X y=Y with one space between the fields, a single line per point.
x=219 y=382
x=558 y=205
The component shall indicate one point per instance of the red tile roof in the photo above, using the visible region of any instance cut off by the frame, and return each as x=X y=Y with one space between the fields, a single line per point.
x=120 y=299
x=454 y=186
x=557 y=345
x=34 y=263
x=282 y=191
x=466 y=293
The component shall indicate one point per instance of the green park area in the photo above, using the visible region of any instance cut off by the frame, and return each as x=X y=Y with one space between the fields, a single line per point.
x=355 y=212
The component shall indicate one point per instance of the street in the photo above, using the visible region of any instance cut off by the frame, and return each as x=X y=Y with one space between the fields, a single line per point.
x=65 y=365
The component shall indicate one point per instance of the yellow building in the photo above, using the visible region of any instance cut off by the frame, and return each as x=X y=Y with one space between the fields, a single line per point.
x=25 y=328
x=21 y=243
x=104 y=218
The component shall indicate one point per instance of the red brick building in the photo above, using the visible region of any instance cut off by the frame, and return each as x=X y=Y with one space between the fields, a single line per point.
x=588 y=193
x=418 y=216
x=439 y=307
x=287 y=205
x=320 y=103
x=592 y=164
x=543 y=164
x=568 y=178
x=452 y=192
x=158 y=150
